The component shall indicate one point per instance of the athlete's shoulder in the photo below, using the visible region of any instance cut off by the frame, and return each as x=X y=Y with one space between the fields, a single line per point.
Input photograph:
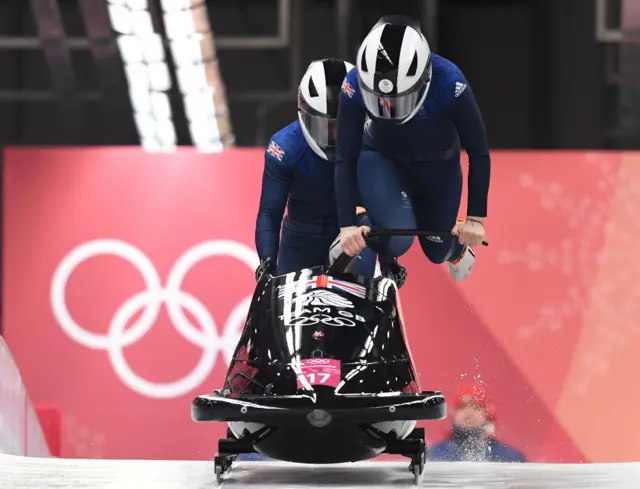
x=352 y=76
x=350 y=87
x=287 y=144
x=447 y=79
x=444 y=68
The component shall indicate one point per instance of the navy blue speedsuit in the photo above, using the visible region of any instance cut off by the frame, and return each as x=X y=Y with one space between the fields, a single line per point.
x=297 y=178
x=409 y=175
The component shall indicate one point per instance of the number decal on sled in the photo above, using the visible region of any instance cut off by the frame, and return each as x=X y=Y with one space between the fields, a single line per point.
x=319 y=371
x=317 y=379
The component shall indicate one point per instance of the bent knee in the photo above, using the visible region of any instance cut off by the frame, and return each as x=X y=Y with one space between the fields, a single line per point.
x=390 y=246
x=399 y=245
x=437 y=252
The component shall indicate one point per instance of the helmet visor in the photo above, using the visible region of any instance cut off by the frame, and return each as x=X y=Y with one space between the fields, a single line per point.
x=323 y=129
x=399 y=106
x=393 y=107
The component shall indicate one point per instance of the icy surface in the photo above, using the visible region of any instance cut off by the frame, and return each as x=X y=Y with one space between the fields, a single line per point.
x=26 y=472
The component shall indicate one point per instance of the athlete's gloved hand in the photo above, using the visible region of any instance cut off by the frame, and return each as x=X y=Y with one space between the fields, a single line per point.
x=352 y=239
x=469 y=232
x=266 y=267
x=393 y=270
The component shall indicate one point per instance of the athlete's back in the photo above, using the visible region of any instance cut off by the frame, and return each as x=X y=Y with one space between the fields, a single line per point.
x=407 y=173
x=298 y=179
x=447 y=119
x=431 y=133
x=311 y=195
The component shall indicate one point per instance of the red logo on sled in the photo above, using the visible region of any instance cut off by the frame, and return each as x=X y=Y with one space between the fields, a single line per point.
x=319 y=371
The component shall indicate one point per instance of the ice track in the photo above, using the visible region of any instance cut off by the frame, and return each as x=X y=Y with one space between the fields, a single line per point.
x=26 y=472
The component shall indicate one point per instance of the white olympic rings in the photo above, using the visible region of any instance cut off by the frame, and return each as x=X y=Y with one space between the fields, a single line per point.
x=326 y=319
x=317 y=361
x=151 y=300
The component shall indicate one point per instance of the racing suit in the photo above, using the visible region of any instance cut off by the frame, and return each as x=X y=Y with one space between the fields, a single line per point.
x=409 y=175
x=297 y=178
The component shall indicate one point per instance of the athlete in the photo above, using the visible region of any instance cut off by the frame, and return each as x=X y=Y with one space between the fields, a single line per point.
x=298 y=175
x=419 y=110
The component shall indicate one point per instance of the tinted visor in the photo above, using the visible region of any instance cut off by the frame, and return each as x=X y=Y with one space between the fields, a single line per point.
x=323 y=129
x=396 y=107
x=393 y=107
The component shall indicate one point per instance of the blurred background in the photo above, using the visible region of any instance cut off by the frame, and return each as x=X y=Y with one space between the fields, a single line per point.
x=144 y=122
x=546 y=73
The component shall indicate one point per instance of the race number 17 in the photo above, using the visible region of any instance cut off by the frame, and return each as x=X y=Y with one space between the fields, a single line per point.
x=317 y=378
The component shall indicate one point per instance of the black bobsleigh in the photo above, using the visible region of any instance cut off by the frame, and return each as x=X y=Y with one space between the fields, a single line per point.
x=322 y=374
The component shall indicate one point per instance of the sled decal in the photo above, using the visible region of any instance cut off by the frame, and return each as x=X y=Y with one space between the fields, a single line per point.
x=322 y=282
x=319 y=371
x=348 y=287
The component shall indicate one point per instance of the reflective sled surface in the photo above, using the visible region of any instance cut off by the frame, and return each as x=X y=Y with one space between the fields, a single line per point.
x=323 y=374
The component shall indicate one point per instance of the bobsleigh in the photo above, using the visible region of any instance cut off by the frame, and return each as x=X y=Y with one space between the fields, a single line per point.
x=322 y=374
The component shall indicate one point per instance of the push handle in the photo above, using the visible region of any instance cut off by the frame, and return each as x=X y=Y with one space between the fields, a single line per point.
x=410 y=232
x=343 y=261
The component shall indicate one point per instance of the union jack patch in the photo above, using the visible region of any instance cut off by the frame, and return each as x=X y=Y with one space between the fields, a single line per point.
x=348 y=287
x=348 y=89
x=322 y=282
x=275 y=151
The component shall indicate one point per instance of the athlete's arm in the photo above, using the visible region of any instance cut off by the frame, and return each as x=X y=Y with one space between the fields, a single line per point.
x=351 y=117
x=473 y=136
x=276 y=182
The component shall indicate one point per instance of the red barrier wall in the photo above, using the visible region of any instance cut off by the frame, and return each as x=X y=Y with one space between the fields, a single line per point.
x=548 y=318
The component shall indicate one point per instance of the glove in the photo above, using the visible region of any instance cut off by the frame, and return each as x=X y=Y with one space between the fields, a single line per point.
x=394 y=271
x=266 y=267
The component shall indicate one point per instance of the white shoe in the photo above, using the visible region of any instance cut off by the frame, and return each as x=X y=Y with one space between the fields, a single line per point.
x=461 y=268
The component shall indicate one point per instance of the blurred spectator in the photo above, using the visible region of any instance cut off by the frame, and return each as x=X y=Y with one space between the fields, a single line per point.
x=473 y=437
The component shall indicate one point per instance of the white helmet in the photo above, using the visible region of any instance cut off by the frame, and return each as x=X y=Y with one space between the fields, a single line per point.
x=318 y=96
x=394 y=69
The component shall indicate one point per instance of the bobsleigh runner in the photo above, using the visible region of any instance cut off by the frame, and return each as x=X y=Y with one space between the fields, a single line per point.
x=322 y=374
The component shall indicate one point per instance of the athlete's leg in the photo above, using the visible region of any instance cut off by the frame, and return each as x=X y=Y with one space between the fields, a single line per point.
x=384 y=196
x=365 y=264
x=436 y=190
x=300 y=251
x=368 y=259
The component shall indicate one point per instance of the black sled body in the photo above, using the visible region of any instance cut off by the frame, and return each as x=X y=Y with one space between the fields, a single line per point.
x=322 y=374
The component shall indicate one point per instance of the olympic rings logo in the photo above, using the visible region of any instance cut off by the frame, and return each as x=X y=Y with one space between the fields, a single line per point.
x=317 y=361
x=326 y=319
x=150 y=301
